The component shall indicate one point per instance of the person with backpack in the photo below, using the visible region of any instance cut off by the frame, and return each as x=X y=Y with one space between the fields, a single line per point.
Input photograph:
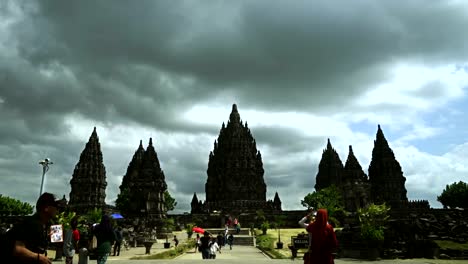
x=118 y=240
x=205 y=245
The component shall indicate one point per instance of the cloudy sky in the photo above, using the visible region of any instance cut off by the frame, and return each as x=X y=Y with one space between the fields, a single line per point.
x=299 y=71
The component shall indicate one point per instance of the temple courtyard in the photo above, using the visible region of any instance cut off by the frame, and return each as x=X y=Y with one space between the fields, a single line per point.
x=246 y=254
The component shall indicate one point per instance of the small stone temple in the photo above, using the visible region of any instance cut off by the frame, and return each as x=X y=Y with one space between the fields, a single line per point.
x=144 y=184
x=235 y=173
x=385 y=183
x=88 y=183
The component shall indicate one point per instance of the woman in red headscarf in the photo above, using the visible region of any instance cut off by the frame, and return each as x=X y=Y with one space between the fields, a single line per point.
x=323 y=240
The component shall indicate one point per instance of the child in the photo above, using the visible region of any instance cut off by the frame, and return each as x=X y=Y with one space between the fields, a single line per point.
x=213 y=248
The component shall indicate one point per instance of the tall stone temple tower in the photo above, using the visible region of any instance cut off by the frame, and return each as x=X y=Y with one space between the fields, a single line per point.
x=144 y=184
x=88 y=183
x=385 y=175
x=235 y=172
x=355 y=184
x=330 y=169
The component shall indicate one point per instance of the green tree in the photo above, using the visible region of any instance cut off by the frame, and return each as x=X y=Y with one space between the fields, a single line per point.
x=170 y=202
x=454 y=195
x=94 y=216
x=280 y=220
x=372 y=220
x=11 y=206
x=329 y=198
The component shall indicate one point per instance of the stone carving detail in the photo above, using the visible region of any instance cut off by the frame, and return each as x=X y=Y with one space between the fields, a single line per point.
x=145 y=183
x=235 y=171
x=385 y=175
x=88 y=183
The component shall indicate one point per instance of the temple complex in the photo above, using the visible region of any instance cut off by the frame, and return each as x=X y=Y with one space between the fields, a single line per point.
x=385 y=174
x=235 y=172
x=144 y=184
x=88 y=183
x=385 y=183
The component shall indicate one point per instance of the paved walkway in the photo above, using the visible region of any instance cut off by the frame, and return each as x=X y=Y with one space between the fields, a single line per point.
x=238 y=255
x=241 y=255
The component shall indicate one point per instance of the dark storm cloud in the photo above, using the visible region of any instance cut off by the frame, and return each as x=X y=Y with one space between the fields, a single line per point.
x=284 y=139
x=292 y=55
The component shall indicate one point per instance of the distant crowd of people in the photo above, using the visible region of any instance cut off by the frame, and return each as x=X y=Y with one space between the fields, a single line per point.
x=27 y=242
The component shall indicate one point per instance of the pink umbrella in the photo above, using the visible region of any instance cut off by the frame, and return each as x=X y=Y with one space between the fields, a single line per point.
x=197 y=229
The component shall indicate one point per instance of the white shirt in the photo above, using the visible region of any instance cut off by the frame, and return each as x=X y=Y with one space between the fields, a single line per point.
x=213 y=248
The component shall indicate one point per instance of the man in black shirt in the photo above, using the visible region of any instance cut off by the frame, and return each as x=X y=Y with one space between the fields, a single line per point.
x=29 y=239
x=205 y=245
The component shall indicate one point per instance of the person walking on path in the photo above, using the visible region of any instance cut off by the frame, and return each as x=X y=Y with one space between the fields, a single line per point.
x=213 y=248
x=118 y=240
x=230 y=240
x=27 y=242
x=205 y=245
x=70 y=241
x=105 y=239
x=176 y=241
x=197 y=243
x=323 y=240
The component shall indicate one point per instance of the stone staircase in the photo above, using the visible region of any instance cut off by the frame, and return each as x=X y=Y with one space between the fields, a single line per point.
x=242 y=239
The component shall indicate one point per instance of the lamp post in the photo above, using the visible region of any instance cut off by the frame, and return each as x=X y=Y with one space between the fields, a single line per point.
x=45 y=167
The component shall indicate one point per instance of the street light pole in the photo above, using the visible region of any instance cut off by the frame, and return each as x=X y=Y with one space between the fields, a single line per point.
x=45 y=167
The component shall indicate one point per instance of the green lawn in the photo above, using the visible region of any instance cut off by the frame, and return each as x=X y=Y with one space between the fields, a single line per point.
x=447 y=244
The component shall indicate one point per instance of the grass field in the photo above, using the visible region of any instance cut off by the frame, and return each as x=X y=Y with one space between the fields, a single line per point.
x=286 y=235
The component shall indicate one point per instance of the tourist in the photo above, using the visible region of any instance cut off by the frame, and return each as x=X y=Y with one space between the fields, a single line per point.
x=323 y=240
x=105 y=239
x=205 y=245
x=197 y=242
x=28 y=240
x=70 y=241
x=230 y=240
x=306 y=220
x=220 y=239
x=176 y=241
x=213 y=248
x=118 y=240
x=226 y=231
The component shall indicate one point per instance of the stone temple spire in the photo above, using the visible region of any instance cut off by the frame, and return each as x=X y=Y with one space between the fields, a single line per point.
x=330 y=169
x=195 y=204
x=385 y=174
x=235 y=169
x=148 y=184
x=88 y=183
x=133 y=168
x=355 y=185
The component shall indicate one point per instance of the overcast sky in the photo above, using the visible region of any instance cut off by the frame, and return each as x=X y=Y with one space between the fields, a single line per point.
x=299 y=71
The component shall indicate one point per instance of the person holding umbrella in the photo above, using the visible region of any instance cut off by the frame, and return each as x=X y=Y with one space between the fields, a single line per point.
x=205 y=245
